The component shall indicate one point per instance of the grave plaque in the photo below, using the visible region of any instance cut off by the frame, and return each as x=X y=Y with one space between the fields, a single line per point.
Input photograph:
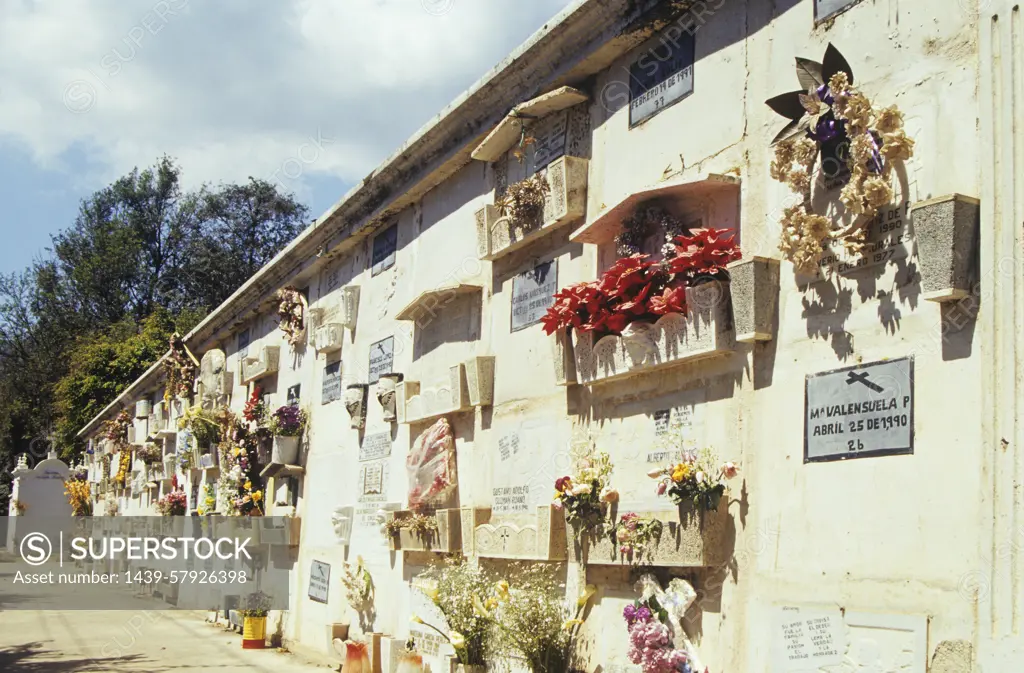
x=532 y=294
x=382 y=357
x=332 y=383
x=384 y=246
x=527 y=458
x=319 y=581
x=887 y=239
x=549 y=138
x=823 y=9
x=243 y=343
x=375 y=446
x=860 y=411
x=808 y=641
x=293 y=395
x=371 y=478
x=658 y=79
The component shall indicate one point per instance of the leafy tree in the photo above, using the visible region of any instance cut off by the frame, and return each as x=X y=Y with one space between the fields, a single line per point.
x=142 y=258
x=102 y=365
x=244 y=227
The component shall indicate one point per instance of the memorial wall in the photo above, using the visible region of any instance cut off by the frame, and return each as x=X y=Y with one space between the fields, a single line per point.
x=614 y=286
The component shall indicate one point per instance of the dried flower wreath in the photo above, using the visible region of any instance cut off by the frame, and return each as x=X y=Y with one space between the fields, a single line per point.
x=829 y=109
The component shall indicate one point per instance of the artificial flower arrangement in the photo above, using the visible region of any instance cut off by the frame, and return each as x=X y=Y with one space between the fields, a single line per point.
x=523 y=201
x=646 y=221
x=291 y=313
x=180 y=369
x=636 y=536
x=123 y=466
x=240 y=486
x=423 y=526
x=431 y=466
x=173 y=504
x=203 y=424
x=452 y=586
x=650 y=634
x=208 y=504
x=359 y=591
x=530 y=618
x=79 y=497
x=110 y=507
x=19 y=507
x=255 y=412
x=584 y=493
x=830 y=112
x=149 y=453
x=697 y=479
x=116 y=430
x=640 y=288
x=287 y=421
x=80 y=473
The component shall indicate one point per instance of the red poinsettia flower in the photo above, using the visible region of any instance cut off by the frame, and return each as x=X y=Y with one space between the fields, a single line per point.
x=671 y=300
x=624 y=274
x=704 y=251
x=638 y=304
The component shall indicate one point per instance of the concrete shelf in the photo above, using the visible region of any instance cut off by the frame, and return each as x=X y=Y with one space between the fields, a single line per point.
x=720 y=193
x=704 y=330
x=469 y=384
x=688 y=540
x=566 y=202
x=447 y=539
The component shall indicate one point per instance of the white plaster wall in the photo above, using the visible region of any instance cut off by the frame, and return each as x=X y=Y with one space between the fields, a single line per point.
x=891 y=535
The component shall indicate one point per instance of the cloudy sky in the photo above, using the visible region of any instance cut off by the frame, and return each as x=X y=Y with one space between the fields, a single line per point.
x=311 y=93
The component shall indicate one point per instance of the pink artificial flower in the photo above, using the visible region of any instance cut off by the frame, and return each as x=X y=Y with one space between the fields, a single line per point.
x=662 y=487
x=729 y=470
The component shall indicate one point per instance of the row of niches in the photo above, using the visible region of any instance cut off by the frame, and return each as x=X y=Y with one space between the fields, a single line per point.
x=674 y=511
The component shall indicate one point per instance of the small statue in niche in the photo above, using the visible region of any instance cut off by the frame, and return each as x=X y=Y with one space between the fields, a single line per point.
x=386 y=395
x=355 y=404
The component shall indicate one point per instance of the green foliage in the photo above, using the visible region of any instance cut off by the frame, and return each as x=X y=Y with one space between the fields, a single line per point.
x=103 y=364
x=142 y=258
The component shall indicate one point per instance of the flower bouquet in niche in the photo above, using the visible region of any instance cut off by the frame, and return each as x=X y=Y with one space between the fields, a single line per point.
x=173 y=504
x=638 y=288
x=636 y=536
x=697 y=479
x=584 y=493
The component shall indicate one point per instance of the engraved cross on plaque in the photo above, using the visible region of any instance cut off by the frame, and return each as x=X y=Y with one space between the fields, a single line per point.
x=504 y=536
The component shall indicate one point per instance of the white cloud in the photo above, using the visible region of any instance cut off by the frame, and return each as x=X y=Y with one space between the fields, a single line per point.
x=235 y=88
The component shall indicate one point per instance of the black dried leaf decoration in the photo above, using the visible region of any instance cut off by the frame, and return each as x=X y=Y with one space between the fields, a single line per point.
x=791 y=130
x=808 y=72
x=833 y=63
x=788 y=104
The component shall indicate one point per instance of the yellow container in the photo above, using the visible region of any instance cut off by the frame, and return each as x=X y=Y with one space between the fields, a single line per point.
x=254 y=633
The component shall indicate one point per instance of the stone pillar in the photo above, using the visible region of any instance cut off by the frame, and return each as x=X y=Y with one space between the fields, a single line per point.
x=999 y=295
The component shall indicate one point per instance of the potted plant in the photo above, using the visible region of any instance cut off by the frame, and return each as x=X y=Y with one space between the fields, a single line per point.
x=254 y=621
x=286 y=425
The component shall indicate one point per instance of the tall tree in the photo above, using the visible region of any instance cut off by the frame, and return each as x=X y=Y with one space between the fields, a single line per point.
x=244 y=227
x=73 y=326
